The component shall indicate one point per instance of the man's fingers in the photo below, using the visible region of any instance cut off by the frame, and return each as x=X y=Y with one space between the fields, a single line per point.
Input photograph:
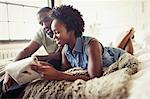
x=7 y=81
x=6 y=78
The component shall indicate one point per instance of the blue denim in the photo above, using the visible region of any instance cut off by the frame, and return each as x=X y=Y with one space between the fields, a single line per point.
x=78 y=57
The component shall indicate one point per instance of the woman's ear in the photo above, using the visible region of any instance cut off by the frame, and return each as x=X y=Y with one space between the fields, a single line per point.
x=71 y=32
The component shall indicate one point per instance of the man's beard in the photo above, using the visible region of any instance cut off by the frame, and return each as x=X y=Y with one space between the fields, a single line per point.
x=49 y=32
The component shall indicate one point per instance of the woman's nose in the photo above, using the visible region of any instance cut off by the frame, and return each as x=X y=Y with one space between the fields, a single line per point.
x=55 y=37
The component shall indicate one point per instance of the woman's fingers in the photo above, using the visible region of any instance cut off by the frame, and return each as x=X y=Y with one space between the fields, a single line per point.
x=33 y=67
x=38 y=68
x=45 y=71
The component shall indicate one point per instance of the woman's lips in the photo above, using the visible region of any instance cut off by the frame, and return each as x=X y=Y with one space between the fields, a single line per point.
x=58 y=43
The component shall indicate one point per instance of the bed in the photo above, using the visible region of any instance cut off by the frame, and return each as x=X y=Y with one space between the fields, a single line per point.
x=128 y=78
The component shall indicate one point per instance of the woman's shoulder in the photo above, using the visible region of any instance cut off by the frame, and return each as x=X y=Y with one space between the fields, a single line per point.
x=65 y=48
x=92 y=43
x=88 y=39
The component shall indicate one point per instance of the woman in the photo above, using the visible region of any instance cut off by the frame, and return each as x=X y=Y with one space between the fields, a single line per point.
x=78 y=51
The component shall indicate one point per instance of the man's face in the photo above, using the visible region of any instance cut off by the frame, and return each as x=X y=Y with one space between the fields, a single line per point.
x=45 y=21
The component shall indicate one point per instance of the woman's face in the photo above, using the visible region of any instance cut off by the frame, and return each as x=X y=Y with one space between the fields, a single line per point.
x=60 y=33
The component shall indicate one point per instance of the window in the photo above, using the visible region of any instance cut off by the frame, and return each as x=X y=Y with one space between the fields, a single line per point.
x=3 y=22
x=18 y=18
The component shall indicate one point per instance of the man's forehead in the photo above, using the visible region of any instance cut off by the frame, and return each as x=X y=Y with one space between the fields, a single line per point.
x=43 y=15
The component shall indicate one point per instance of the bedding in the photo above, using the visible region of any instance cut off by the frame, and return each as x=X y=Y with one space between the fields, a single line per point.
x=140 y=82
x=128 y=78
x=113 y=84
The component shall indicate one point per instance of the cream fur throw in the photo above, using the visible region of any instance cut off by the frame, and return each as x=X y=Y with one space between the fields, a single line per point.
x=112 y=85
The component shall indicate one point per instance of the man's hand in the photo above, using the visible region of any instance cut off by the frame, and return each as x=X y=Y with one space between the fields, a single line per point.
x=8 y=81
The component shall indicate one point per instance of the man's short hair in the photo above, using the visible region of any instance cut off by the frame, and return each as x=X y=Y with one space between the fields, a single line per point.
x=44 y=9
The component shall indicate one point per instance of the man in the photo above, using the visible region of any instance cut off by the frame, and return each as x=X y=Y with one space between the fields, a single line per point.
x=42 y=38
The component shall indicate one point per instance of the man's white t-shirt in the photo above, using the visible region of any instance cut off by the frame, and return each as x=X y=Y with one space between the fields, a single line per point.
x=43 y=39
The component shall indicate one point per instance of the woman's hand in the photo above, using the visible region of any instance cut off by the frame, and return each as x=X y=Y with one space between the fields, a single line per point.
x=46 y=71
x=50 y=73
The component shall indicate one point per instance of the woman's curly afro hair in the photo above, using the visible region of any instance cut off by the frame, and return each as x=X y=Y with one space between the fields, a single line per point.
x=70 y=17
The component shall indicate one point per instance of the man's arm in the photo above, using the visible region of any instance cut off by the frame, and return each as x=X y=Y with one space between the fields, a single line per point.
x=28 y=51
x=33 y=47
x=55 y=55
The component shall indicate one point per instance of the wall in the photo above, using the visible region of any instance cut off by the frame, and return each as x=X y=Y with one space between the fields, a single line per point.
x=107 y=19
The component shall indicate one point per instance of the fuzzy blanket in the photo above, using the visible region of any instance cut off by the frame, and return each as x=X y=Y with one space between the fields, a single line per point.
x=112 y=85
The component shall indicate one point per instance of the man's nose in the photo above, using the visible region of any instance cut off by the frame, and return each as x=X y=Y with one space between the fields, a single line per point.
x=45 y=25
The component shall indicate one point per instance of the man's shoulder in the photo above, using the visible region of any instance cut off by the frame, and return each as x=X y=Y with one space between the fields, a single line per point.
x=40 y=31
x=38 y=37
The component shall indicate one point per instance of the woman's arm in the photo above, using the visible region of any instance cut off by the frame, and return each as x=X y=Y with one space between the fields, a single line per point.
x=50 y=73
x=94 y=58
x=94 y=65
x=65 y=64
